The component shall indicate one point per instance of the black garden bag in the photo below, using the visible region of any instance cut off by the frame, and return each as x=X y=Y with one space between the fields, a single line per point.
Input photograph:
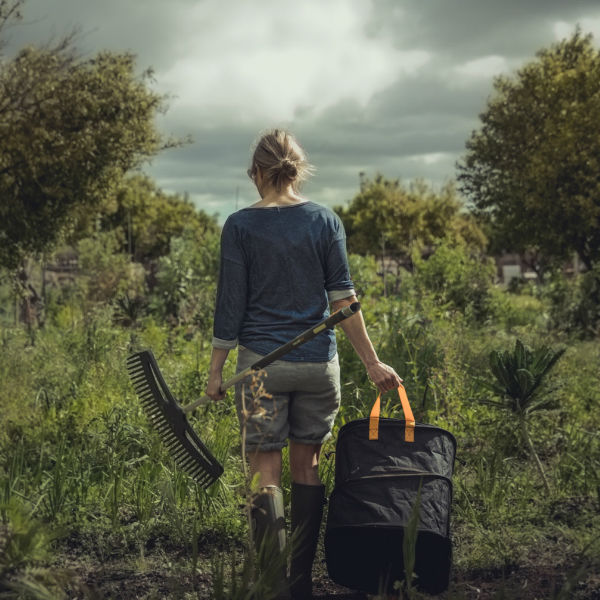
x=381 y=464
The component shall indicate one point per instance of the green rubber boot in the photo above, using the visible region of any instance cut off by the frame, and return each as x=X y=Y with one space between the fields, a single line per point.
x=268 y=522
x=306 y=515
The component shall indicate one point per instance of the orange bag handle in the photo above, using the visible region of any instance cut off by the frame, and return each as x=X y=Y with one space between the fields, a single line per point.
x=409 y=429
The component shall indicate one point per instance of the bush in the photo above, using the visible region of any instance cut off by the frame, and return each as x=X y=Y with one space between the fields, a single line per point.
x=575 y=303
x=458 y=281
x=522 y=310
x=363 y=270
x=186 y=281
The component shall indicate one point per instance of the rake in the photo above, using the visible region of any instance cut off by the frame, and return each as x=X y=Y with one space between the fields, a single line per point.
x=170 y=420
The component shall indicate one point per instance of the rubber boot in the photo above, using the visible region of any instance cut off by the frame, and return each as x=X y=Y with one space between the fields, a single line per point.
x=306 y=515
x=268 y=522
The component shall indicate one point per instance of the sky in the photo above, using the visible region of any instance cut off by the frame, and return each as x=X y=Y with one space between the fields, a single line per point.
x=367 y=86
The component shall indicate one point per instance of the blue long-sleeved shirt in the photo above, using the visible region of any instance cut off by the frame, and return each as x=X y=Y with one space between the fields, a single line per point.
x=280 y=268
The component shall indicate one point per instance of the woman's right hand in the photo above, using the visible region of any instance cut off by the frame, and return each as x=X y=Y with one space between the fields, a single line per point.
x=213 y=387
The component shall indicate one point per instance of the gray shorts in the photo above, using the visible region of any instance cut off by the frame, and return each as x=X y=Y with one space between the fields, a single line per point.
x=305 y=399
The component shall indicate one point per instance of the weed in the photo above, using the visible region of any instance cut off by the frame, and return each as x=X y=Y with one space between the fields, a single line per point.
x=518 y=378
x=24 y=540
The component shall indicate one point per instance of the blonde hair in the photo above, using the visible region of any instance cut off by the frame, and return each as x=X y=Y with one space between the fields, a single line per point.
x=281 y=159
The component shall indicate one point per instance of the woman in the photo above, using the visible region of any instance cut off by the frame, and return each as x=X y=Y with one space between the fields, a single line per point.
x=283 y=262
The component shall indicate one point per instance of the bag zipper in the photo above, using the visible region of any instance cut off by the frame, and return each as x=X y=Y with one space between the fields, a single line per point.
x=402 y=474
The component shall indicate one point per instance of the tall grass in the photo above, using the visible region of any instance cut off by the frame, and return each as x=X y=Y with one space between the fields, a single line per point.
x=80 y=466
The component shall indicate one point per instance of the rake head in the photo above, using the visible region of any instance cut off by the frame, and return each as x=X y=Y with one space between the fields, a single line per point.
x=169 y=420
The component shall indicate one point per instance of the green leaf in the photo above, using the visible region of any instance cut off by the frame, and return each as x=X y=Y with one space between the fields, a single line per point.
x=517 y=382
x=526 y=382
x=520 y=360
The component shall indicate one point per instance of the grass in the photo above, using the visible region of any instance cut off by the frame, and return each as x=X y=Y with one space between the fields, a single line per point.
x=88 y=493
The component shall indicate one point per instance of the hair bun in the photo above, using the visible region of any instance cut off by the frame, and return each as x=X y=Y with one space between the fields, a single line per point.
x=288 y=168
x=281 y=159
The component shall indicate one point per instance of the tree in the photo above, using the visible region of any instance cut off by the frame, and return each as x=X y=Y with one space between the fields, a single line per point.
x=532 y=168
x=146 y=219
x=391 y=220
x=69 y=129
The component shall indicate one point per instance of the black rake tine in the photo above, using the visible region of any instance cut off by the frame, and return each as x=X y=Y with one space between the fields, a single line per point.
x=169 y=421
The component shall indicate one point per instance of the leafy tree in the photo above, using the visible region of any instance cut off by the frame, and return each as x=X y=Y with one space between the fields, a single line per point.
x=394 y=221
x=146 y=219
x=145 y=246
x=532 y=167
x=70 y=128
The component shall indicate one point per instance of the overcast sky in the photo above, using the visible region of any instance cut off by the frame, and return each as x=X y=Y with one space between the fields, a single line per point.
x=390 y=86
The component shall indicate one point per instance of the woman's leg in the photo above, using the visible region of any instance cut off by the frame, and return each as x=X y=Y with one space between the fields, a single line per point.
x=304 y=463
x=308 y=497
x=268 y=464
x=268 y=520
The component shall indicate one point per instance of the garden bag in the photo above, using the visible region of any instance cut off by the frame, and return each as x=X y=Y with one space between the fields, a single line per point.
x=380 y=466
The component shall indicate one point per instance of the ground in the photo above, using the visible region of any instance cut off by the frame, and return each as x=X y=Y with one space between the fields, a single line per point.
x=170 y=576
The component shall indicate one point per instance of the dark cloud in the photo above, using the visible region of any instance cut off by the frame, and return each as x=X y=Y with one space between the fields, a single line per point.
x=437 y=57
x=463 y=29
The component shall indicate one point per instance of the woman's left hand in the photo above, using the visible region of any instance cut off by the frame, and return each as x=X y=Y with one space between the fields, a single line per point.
x=383 y=376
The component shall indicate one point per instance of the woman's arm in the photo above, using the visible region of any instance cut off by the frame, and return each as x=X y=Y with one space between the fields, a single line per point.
x=382 y=375
x=229 y=307
x=215 y=374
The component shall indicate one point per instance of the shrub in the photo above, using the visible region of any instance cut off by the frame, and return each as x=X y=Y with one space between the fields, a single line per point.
x=518 y=376
x=186 y=281
x=363 y=270
x=575 y=304
x=458 y=281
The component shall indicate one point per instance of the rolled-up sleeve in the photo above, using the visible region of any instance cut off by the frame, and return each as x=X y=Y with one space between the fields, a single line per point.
x=232 y=290
x=338 y=283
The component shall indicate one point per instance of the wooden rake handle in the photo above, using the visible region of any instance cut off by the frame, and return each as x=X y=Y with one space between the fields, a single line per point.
x=305 y=336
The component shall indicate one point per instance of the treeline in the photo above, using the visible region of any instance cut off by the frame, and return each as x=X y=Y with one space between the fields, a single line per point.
x=74 y=130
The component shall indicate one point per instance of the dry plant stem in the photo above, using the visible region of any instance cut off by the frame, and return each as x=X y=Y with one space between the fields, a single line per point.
x=245 y=470
x=536 y=458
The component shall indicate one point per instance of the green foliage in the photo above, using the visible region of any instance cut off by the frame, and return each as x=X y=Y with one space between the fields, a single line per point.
x=71 y=127
x=186 y=280
x=389 y=219
x=519 y=375
x=178 y=244
x=249 y=582
x=76 y=450
x=146 y=219
x=24 y=539
x=458 y=280
x=105 y=273
x=363 y=271
x=532 y=166
x=522 y=310
x=575 y=304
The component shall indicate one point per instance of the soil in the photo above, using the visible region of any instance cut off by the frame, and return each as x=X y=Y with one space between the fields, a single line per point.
x=156 y=578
